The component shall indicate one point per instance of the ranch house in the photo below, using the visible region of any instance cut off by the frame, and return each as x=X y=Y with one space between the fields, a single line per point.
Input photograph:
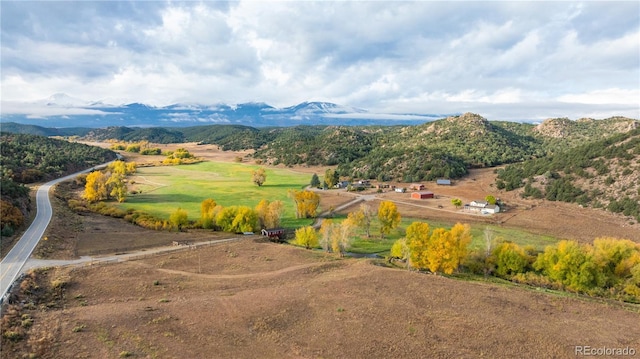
x=482 y=207
x=422 y=195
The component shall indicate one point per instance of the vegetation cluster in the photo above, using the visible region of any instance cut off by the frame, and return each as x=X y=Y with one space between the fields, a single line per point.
x=26 y=159
x=601 y=174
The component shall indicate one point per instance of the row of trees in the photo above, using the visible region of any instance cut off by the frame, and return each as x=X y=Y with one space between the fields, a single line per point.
x=338 y=237
x=608 y=267
x=233 y=218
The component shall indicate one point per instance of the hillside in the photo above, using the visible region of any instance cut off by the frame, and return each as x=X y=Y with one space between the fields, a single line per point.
x=600 y=174
x=443 y=148
x=27 y=159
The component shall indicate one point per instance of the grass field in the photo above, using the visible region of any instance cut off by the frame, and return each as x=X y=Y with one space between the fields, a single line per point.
x=164 y=189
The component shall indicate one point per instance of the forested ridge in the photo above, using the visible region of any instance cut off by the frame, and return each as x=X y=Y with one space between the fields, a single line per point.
x=601 y=174
x=444 y=148
x=30 y=158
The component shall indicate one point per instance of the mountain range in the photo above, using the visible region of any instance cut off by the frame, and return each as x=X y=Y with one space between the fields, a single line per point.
x=61 y=110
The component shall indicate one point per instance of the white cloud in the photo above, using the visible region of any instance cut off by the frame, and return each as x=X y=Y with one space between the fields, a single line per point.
x=604 y=97
x=399 y=56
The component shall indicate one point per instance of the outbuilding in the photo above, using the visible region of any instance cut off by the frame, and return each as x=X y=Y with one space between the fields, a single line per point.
x=422 y=195
x=274 y=233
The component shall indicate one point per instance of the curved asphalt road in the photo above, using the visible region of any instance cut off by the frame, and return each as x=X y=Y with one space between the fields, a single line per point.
x=12 y=264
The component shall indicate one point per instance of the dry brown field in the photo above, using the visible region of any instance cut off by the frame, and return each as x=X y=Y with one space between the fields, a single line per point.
x=252 y=299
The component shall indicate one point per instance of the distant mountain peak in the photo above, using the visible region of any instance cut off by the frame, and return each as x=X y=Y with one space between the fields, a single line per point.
x=63 y=100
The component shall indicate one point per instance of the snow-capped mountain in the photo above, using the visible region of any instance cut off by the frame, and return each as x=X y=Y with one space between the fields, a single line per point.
x=61 y=110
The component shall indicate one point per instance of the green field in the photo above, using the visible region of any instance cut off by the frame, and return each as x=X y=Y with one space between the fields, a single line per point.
x=164 y=189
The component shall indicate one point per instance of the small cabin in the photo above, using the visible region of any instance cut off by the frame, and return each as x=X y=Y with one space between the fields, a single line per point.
x=443 y=182
x=422 y=195
x=274 y=234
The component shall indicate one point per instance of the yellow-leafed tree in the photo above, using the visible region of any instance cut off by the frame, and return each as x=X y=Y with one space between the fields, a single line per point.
x=274 y=214
x=179 y=218
x=307 y=237
x=95 y=188
x=417 y=241
x=259 y=176
x=117 y=187
x=362 y=218
x=307 y=203
x=342 y=237
x=388 y=216
x=207 y=213
x=326 y=229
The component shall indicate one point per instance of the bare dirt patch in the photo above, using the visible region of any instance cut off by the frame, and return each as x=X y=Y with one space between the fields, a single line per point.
x=264 y=300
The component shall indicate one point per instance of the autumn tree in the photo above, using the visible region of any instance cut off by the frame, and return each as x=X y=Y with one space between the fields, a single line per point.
x=362 y=218
x=307 y=237
x=388 y=216
x=262 y=209
x=117 y=167
x=324 y=239
x=96 y=187
x=117 y=187
x=570 y=264
x=307 y=203
x=10 y=217
x=179 y=218
x=131 y=168
x=490 y=199
x=269 y=213
x=246 y=220
x=417 y=241
x=342 y=237
x=400 y=250
x=457 y=202
x=616 y=258
x=461 y=236
x=315 y=181
x=331 y=177
x=509 y=259
x=259 y=176
x=207 y=213
x=237 y=219
x=274 y=214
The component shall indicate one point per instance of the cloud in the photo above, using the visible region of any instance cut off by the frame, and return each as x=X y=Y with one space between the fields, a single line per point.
x=400 y=57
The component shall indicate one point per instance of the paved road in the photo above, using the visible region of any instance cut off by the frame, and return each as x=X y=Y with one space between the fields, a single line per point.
x=12 y=264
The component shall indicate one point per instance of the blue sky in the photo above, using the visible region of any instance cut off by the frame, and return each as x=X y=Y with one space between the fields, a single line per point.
x=503 y=60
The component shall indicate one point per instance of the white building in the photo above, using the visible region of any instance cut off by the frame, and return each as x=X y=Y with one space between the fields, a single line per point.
x=482 y=206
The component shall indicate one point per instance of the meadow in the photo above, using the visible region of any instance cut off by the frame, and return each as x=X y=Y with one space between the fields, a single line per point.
x=163 y=189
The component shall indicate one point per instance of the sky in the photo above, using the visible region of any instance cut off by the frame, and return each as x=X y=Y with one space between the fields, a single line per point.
x=503 y=60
